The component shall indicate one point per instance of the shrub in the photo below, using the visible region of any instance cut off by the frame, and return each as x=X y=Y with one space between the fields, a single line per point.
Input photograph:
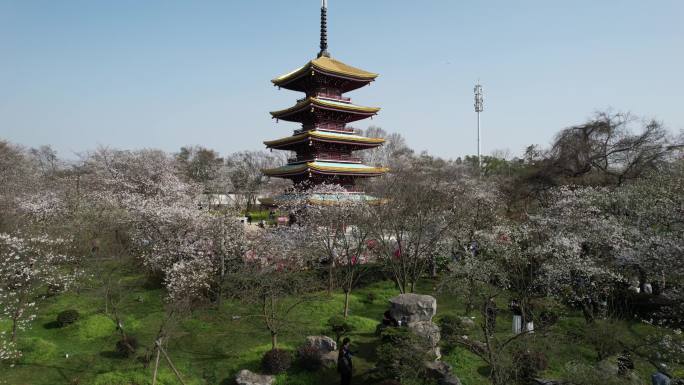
x=67 y=317
x=528 y=364
x=370 y=298
x=603 y=336
x=452 y=327
x=339 y=326
x=401 y=355
x=126 y=346
x=548 y=317
x=276 y=361
x=96 y=326
x=547 y=312
x=308 y=357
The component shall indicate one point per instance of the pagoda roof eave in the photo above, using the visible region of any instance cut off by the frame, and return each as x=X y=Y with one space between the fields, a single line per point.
x=326 y=66
x=325 y=104
x=325 y=168
x=325 y=137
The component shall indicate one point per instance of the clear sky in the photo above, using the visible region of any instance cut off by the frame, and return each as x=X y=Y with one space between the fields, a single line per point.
x=163 y=74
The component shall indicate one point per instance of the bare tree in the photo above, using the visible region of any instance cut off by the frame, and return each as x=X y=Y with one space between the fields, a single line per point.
x=244 y=170
x=336 y=222
x=606 y=145
x=276 y=278
x=391 y=154
x=412 y=223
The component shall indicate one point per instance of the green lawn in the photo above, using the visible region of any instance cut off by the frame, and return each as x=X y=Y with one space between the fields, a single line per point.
x=210 y=346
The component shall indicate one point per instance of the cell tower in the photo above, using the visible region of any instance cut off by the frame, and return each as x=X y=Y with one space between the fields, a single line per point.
x=479 y=107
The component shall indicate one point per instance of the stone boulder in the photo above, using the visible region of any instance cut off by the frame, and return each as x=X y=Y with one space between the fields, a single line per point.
x=323 y=344
x=430 y=332
x=467 y=323
x=329 y=360
x=413 y=307
x=326 y=349
x=427 y=330
x=245 y=377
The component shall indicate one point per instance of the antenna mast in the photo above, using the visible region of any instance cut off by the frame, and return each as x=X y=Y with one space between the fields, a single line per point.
x=479 y=107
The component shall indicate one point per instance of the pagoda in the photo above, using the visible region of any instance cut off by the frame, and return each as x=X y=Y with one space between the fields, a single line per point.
x=324 y=147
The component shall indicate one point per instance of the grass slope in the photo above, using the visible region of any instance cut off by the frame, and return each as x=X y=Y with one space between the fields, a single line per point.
x=211 y=345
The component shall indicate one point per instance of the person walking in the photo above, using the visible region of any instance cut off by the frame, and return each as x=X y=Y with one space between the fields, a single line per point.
x=517 y=316
x=490 y=310
x=344 y=362
x=661 y=376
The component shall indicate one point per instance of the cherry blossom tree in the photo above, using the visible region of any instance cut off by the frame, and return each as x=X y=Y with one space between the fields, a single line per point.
x=27 y=266
x=190 y=248
x=337 y=224
x=278 y=275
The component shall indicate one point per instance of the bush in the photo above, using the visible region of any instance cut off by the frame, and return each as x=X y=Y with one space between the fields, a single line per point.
x=67 y=317
x=308 y=357
x=96 y=326
x=339 y=326
x=370 y=298
x=452 y=327
x=401 y=355
x=126 y=346
x=603 y=337
x=548 y=317
x=528 y=364
x=547 y=312
x=276 y=361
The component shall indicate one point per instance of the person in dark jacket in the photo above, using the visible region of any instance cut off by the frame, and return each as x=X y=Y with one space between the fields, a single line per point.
x=388 y=320
x=344 y=362
x=490 y=310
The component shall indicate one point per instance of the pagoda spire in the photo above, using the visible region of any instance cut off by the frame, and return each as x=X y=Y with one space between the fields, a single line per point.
x=324 y=29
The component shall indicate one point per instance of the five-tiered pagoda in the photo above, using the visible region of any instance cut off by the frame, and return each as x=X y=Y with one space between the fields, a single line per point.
x=325 y=144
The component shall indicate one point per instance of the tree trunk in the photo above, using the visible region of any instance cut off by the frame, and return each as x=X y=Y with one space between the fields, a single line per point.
x=219 y=290
x=433 y=267
x=346 y=302
x=587 y=312
x=274 y=340
x=469 y=301
x=330 y=277
x=400 y=286
x=219 y=296
x=14 y=330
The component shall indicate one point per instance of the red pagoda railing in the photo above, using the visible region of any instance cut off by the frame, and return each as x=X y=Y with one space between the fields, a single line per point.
x=328 y=95
x=334 y=127
x=325 y=156
x=329 y=127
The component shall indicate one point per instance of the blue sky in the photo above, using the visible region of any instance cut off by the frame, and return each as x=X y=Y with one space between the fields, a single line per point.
x=163 y=74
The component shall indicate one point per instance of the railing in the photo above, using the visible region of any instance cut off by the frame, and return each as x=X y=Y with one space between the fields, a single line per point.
x=328 y=95
x=325 y=156
x=328 y=127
